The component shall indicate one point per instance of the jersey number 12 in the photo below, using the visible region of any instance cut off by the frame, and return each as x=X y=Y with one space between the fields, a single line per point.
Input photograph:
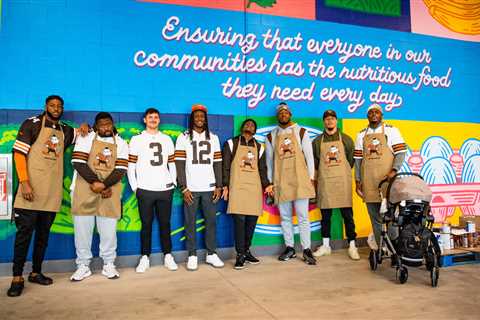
x=201 y=156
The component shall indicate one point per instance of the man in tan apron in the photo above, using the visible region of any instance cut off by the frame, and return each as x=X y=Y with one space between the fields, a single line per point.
x=38 y=153
x=244 y=178
x=291 y=168
x=100 y=161
x=333 y=154
x=379 y=154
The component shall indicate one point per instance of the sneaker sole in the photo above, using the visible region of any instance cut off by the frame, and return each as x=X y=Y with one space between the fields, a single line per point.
x=254 y=263
x=170 y=269
x=216 y=267
x=321 y=255
x=88 y=274
x=111 y=278
x=292 y=257
x=239 y=268
x=310 y=263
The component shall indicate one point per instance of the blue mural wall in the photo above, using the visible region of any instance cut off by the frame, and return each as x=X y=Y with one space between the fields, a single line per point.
x=124 y=56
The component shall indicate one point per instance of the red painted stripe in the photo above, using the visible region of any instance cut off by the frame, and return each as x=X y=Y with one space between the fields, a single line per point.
x=304 y=9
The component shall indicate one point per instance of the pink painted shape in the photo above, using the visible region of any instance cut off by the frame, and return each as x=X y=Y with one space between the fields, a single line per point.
x=422 y=22
x=457 y=163
x=455 y=195
x=441 y=214
x=415 y=162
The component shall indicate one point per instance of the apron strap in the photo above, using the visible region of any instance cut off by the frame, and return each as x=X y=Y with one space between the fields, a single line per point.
x=383 y=131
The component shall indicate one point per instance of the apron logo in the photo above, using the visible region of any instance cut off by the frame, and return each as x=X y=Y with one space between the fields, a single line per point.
x=104 y=158
x=51 y=146
x=287 y=146
x=332 y=155
x=248 y=160
x=374 y=147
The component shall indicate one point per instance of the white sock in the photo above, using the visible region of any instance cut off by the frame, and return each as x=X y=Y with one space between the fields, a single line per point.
x=326 y=242
x=352 y=244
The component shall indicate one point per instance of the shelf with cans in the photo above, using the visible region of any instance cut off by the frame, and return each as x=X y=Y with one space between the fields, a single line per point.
x=460 y=244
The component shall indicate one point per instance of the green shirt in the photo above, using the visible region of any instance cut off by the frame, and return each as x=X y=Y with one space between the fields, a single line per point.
x=347 y=144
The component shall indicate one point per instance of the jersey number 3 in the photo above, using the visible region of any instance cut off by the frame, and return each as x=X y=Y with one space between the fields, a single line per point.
x=201 y=156
x=157 y=154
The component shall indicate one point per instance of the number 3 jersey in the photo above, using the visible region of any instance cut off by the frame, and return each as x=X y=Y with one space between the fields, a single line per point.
x=202 y=158
x=151 y=162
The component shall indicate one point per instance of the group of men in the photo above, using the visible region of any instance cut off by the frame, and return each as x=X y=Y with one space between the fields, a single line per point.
x=289 y=168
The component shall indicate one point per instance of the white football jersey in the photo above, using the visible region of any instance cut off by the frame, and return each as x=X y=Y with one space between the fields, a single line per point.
x=199 y=155
x=395 y=141
x=151 y=162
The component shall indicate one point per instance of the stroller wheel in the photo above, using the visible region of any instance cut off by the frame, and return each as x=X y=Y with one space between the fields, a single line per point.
x=402 y=274
x=434 y=275
x=372 y=258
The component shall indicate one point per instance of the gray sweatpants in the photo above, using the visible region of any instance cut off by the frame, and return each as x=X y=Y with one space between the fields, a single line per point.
x=204 y=201
x=301 y=209
x=107 y=229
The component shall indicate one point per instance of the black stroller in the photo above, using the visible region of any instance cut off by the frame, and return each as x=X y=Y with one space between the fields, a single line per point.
x=406 y=209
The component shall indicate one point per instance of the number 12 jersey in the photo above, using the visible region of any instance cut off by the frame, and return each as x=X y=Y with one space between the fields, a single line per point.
x=199 y=155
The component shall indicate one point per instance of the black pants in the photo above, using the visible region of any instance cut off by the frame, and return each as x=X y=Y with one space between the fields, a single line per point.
x=244 y=229
x=26 y=222
x=347 y=214
x=157 y=203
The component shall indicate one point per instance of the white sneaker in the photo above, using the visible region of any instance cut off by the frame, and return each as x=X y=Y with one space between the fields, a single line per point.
x=143 y=264
x=82 y=272
x=110 y=271
x=371 y=242
x=214 y=260
x=192 y=263
x=323 y=251
x=353 y=253
x=169 y=262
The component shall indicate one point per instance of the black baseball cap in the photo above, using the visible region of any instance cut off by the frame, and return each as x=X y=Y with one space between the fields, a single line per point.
x=329 y=113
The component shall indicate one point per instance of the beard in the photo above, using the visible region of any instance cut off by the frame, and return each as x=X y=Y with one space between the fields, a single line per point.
x=248 y=131
x=107 y=134
x=285 y=122
x=51 y=116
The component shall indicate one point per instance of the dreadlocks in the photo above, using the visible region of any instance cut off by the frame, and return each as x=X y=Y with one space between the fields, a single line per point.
x=205 y=126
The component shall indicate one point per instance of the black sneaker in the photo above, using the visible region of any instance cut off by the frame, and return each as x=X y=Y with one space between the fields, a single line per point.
x=240 y=262
x=40 y=279
x=288 y=254
x=15 y=289
x=250 y=258
x=308 y=257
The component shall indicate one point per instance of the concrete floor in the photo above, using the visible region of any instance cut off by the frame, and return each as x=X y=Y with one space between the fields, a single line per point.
x=337 y=288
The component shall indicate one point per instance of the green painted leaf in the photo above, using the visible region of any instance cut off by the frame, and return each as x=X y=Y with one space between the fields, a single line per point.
x=262 y=3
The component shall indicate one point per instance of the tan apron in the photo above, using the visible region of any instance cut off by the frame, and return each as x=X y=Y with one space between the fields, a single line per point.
x=45 y=171
x=245 y=194
x=291 y=178
x=85 y=202
x=334 y=176
x=377 y=163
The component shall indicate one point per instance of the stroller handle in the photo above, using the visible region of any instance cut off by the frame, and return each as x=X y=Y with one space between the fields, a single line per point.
x=398 y=175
